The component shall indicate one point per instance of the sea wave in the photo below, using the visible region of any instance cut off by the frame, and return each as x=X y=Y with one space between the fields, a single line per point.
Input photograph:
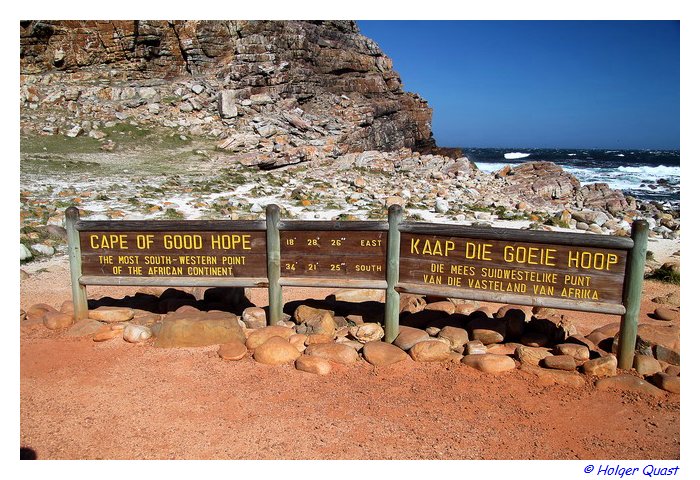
x=490 y=166
x=515 y=155
x=657 y=171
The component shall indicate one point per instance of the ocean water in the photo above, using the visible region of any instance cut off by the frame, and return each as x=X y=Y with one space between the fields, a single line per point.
x=653 y=175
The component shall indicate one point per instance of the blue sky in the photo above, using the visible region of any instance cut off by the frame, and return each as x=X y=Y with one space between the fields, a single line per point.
x=575 y=84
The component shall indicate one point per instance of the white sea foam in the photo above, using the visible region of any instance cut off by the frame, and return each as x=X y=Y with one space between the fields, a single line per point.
x=490 y=167
x=515 y=155
x=658 y=171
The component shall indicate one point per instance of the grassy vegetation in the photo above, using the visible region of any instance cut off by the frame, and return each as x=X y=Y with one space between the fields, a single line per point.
x=172 y=214
x=666 y=274
x=58 y=144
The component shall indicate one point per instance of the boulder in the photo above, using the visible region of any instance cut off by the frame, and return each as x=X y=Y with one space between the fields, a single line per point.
x=666 y=314
x=409 y=336
x=254 y=317
x=37 y=312
x=531 y=355
x=381 y=354
x=580 y=353
x=107 y=333
x=458 y=337
x=316 y=320
x=260 y=336
x=111 y=314
x=601 y=367
x=475 y=347
x=628 y=383
x=560 y=362
x=334 y=352
x=57 y=320
x=445 y=307
x=433 y=331
x=359 y=295
x=316 y=365
x=670 y=383
x=85 y=328
x=411 y=303
x=235 y=350
x=368 y=332
x=276 y=351
x=646 y=365
x=299 y=341
x=198 y=329
x=667 y=355
x=430 y=351
x=487 y=330
x=489 y=363
x=227 y=104
x=315 y=338
x=136 y=333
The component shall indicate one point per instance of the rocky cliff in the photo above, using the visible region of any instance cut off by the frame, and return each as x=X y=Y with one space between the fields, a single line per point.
x=272 y=92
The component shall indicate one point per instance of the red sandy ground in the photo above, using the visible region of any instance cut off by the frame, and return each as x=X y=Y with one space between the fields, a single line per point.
x=115 y=400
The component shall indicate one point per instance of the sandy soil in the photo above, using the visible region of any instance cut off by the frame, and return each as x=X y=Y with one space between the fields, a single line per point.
x=85 y=400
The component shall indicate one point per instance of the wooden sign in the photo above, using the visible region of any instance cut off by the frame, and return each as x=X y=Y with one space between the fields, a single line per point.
x=595 y=273
x=174 y=253
x=517 y=268
x=352 y=254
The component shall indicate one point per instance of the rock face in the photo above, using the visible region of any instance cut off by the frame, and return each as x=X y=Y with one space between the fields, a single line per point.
x=548 y=181
x=317 y=88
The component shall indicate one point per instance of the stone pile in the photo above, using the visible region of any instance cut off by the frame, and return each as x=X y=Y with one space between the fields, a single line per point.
x=318 y=339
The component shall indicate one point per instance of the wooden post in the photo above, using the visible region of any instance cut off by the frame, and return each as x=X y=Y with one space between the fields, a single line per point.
x=632 y=295
x=274 y=290
x=80 y=306
x=391 y=308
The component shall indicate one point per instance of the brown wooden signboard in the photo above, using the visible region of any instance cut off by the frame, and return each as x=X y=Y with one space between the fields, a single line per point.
x=174 y=253
x=593 y=273
x=517 y=268
x=352 y=254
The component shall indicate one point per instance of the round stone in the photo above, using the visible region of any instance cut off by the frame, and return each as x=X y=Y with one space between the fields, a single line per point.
x=333 y=352
x=367 y=332
x=57 y=320
x=381 y=354
x=489 y=362
x=579 y=352
x=111 y=314
x=665 y=313
x=531 y=355
x=430 y=351
x=136 y=333
x=409 y=336
x=560 y=362
x=233 y=350
x=601 y=367
x=276 y=351
x=317 y=365
x=261 y=335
